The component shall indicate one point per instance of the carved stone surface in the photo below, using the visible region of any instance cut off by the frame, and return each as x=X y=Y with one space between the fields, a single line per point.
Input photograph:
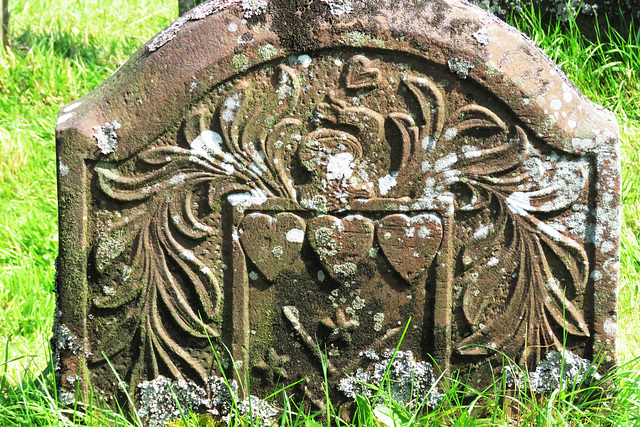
x=299 y=185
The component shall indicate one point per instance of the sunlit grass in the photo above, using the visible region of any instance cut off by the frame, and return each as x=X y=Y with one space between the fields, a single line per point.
x=60 y=51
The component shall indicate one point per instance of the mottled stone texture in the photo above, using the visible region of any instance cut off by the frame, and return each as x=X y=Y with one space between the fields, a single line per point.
x=296 y=183
x=588 y=14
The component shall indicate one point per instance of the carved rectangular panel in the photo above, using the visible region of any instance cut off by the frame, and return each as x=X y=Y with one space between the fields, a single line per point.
x=328 y=289
x=299 y=204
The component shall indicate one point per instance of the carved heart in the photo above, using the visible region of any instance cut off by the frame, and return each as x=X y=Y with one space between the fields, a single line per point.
x=410 y=243
x=341 y=243
x=272 y=242
x=360 y=73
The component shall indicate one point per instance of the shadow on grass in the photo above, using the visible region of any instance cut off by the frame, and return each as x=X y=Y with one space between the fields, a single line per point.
x=86 y=48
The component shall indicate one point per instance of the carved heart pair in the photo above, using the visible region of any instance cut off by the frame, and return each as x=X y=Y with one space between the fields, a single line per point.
x=410 y=244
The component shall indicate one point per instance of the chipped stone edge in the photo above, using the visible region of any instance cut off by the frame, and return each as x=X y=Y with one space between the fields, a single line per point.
x=251 y=8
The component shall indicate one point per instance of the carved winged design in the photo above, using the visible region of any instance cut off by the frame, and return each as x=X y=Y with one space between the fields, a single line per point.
x=519 y=274
x=164 y=275
x=513 y=297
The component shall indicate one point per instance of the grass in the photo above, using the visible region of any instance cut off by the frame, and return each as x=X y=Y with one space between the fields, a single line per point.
x=63 y=49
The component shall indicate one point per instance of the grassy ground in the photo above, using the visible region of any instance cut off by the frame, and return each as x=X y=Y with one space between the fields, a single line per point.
x=61 y=49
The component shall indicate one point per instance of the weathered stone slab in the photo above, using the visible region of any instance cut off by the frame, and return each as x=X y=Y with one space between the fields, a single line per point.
x=294 y=185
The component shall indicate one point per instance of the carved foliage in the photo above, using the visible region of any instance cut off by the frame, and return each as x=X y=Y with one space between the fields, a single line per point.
x=254 y=143
x=247 y=167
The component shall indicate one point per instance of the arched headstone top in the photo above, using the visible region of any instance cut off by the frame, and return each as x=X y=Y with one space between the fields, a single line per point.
x=268 y=176
x=218 y=39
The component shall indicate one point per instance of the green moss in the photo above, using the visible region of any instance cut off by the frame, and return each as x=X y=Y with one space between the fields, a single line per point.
x=358 y=38
x=268 y=52
x=240 y=62
x=198 y=420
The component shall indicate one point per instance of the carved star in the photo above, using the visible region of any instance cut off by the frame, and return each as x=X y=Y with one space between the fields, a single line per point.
x=340 y=327
x=271 y=368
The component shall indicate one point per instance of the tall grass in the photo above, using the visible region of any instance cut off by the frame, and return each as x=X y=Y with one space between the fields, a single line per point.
x=62 y=49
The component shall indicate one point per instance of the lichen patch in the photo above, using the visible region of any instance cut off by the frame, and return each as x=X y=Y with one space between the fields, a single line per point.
x=63 y=169
x=106 y=137
x=199 y=12
x=482 y=36
x=460 y=67
x=339 y=7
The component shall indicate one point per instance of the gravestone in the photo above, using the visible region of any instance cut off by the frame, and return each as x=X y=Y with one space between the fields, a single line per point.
x=284 y=190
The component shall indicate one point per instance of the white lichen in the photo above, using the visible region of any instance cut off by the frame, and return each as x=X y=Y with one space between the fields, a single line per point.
x=460 y=67
x=231 y=107
x=63 y=169
x=304 y=60
x=450 y=133
x=482 y=36
x=482 y=232
x=187 y=255
x=408 y=382
x=518 y=202
x=446 y=162
x=340 y=166
x=610 y=326
x=163 y=400
x=295 y=235
x=199 y=12
x=268 y=52
x=106 y=137
x=378 y=319
x=339 y=7
x=242 y=201
x=277 y=251
x=562 y=370
x=254 y=7
x=177 y=179
x=386 y=183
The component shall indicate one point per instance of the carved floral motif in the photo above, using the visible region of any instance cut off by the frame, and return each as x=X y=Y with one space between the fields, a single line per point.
x=264 y=137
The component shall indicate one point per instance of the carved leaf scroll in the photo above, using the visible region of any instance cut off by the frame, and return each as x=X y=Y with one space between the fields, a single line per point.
x=536 y=300
x=242 y=148
x=241 y=160
x=538 y=311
